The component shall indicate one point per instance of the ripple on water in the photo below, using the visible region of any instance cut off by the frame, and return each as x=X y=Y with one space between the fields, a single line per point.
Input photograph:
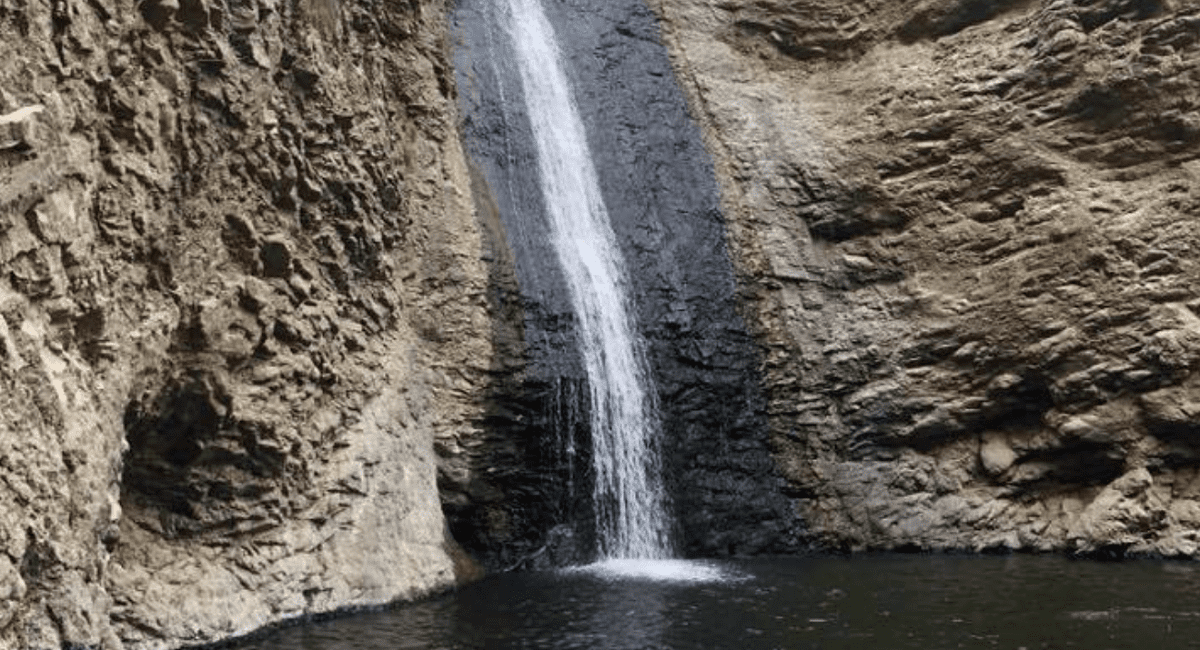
x=682 y=571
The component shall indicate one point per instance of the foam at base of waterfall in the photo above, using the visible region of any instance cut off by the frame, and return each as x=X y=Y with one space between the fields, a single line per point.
x=683 y=571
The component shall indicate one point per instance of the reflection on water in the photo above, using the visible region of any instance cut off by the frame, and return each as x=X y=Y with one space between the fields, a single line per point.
x=640 y=617
x=890 y=601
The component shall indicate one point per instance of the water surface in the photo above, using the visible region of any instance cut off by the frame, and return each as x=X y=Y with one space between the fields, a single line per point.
x=886 y=601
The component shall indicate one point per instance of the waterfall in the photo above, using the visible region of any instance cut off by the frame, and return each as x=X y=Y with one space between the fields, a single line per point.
x=628 y=494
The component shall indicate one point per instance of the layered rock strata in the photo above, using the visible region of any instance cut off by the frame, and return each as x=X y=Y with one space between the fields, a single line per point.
x=243 y=321
x=966 y=237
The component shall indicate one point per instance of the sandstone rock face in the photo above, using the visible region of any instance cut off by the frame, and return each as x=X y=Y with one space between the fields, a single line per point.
x=967 y=234
x=242 y=315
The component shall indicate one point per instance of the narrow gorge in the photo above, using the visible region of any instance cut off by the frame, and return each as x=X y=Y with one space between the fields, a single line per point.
x=283 y=331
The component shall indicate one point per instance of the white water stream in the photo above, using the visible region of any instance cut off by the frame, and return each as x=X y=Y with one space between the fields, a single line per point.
x=629 y=497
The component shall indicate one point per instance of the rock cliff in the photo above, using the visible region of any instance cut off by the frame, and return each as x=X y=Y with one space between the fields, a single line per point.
x=242 y=315
x=966 y=238
x=251 y=332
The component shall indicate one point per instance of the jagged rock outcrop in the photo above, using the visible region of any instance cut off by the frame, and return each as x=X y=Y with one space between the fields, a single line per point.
x=966 y=236
x=242 y=315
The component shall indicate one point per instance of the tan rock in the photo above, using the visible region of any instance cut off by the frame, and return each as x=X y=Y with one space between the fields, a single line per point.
x=18 y=129
x=996 y=454
x=216 y=410
x=1039 y=237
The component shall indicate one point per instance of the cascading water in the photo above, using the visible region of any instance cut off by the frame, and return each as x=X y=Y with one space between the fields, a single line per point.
x=629 y=499
x=580 y=447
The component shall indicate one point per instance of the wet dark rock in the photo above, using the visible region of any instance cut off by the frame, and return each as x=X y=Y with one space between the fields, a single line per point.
x=658 y=187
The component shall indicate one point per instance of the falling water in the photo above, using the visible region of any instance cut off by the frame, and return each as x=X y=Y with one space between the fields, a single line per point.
x=628 y=495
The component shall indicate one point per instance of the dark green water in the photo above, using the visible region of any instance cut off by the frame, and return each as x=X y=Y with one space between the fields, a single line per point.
x=866 y=602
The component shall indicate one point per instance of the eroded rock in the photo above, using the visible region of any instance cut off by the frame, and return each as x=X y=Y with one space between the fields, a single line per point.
x=1021 y=173
x=224 y=232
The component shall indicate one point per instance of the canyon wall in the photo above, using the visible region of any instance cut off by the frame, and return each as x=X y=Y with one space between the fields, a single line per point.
x=966 y=234
x=243 y=323
x=253 y=338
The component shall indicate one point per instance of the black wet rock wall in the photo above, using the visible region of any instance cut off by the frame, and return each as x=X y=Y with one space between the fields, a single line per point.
x=658 y=186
